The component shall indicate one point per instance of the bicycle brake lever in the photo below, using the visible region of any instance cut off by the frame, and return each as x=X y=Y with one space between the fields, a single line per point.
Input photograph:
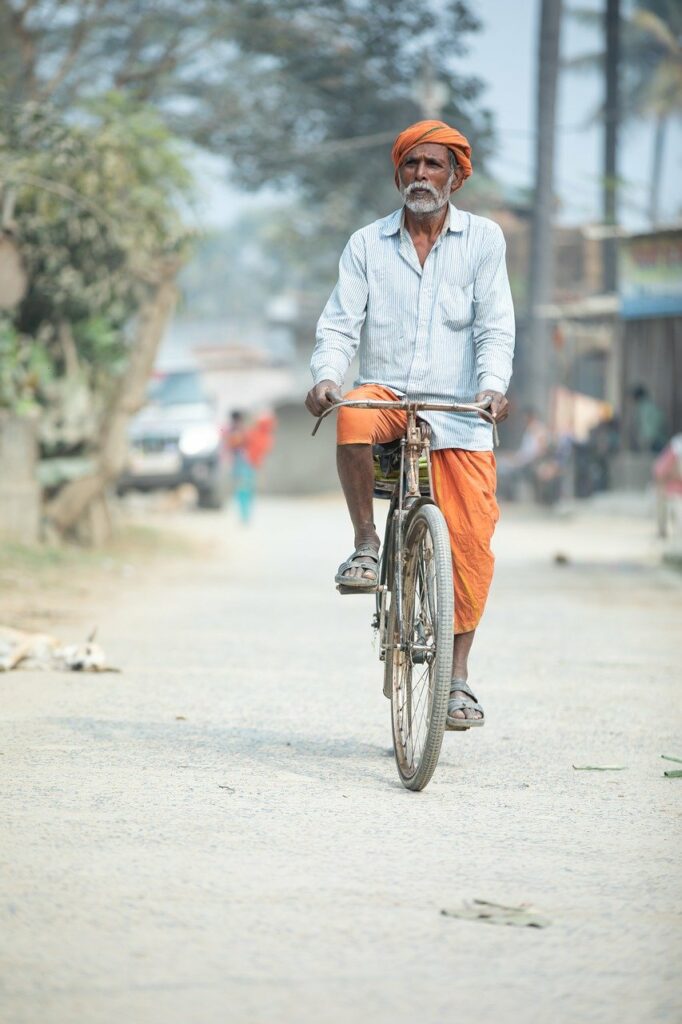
x=322 y=416
x=487 y=415
x=493 y=423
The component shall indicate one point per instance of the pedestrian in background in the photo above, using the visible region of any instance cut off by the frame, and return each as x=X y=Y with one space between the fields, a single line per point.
x=649 y=422
x=248 y=444
x=667 y=473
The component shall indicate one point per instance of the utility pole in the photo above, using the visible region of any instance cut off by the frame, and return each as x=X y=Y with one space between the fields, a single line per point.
x=539 y=360
x=434 y=93
x=611 y=119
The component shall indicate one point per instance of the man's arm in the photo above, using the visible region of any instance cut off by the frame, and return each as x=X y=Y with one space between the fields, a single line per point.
x=339 y=327
x=493 y=325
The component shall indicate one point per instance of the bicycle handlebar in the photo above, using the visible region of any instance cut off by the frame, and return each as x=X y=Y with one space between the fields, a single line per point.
x=479 y=408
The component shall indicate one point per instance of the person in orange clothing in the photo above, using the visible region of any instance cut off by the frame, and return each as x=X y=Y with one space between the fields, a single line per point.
x=457 y=474
x=248 y=444
x=423 y=297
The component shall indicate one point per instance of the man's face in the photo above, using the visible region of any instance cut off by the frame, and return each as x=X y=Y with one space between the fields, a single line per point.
x=426 y=178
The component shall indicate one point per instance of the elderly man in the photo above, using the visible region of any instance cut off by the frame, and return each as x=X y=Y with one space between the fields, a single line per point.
x=424 y=293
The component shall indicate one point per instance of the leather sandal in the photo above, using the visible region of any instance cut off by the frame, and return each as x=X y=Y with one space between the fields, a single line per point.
x=468 y=703
x=365 y=557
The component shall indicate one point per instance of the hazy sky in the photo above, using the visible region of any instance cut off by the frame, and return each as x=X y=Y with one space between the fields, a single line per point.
x=503 y=54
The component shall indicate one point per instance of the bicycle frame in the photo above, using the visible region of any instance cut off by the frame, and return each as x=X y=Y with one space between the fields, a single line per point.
x=415 y=444
x=406 y=495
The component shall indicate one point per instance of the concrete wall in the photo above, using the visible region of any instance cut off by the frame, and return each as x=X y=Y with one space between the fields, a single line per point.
x=299 y=463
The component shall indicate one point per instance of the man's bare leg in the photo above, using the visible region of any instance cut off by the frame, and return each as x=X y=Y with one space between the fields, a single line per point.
x=356 y=473
x=461 y=646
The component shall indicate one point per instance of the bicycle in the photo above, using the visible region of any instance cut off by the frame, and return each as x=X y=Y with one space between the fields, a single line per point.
x=415 y=571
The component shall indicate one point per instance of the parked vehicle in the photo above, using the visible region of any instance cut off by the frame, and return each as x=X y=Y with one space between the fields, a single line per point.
x=176 y=439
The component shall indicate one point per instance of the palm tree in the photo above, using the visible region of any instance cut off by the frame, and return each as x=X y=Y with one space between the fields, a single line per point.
x=651 y=80
x=656 y=90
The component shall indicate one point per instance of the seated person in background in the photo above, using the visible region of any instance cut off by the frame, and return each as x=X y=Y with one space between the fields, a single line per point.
x=534 y=447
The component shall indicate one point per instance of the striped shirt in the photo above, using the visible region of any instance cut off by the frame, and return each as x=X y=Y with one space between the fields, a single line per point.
x=441 y=332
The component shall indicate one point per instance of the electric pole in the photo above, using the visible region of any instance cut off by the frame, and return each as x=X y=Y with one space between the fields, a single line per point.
x=611 y=119
x=539 y=358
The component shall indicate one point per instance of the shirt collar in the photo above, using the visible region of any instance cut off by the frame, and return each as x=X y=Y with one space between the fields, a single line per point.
x=393 y=223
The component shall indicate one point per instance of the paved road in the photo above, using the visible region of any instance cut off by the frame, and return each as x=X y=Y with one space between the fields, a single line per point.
x=218 y=833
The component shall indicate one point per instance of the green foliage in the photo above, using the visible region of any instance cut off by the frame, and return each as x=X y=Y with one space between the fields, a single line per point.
x=304 y=95
x=336 y=70
x=657 y=58
x=98 y=342
x=24 y=370
x=97 y=205
x=275 y=85
x=651 y=73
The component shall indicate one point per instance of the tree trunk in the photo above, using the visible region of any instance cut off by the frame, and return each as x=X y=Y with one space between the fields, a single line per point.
x=657 y=168
x=76 y=499
x=540 y=369
x=611 y=119
x=19 y=487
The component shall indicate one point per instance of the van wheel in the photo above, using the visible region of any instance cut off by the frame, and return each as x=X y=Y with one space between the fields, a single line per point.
x=211 y=497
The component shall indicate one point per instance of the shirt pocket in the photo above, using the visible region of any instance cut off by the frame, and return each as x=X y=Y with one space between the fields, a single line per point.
x=457 y=306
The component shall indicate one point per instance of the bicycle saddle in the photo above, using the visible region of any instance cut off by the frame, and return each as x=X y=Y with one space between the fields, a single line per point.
x=388 y=453
x=388 y=456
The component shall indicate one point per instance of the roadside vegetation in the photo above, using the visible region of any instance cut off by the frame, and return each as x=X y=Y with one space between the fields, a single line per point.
x=104 y=107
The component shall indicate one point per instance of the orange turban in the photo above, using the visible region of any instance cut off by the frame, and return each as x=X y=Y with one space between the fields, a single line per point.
x=432 y=131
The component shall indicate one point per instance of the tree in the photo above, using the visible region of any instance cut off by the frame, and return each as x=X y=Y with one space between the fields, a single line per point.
x=650 y=73
x=657 y=86
x=301 y=94
x=95 y=203
x=275 y=85
x=96 y=220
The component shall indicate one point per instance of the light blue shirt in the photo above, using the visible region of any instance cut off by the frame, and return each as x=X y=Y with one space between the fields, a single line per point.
x=441 y=332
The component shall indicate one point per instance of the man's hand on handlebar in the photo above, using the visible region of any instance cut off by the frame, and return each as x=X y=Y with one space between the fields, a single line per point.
x=499 y=406
x=322 y=396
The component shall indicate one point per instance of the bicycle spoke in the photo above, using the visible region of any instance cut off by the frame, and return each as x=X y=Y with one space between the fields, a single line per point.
x=418 y=626
x=421 y=668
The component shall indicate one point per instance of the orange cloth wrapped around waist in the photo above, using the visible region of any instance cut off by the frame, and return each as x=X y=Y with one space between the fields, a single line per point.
x=464 y=490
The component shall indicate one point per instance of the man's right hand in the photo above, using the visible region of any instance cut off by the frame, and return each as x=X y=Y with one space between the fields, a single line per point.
x=322 y=397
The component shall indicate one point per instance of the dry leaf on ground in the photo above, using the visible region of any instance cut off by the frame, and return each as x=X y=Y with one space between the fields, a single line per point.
x=497 y=913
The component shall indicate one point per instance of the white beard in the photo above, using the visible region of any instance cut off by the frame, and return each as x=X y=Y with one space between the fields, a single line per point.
x=436 y=199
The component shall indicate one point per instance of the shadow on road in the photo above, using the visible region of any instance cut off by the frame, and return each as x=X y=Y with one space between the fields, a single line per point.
x=209 y=747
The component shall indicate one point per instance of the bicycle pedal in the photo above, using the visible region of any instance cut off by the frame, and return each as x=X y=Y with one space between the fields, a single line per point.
x=355 y=590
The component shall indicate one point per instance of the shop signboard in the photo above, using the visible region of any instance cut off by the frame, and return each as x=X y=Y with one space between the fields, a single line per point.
x=650 y=277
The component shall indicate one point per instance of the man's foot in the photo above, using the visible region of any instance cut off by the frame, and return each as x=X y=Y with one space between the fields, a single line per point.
x=463 y=709
x=361 y=570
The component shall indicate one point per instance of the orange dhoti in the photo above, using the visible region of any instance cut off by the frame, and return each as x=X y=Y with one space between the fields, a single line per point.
x=464 y=490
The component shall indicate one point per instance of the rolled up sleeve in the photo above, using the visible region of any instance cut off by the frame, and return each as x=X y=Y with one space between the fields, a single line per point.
x=493 y=316
x=339 y=327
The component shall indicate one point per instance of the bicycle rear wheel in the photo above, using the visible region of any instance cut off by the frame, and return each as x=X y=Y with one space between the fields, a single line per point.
x=419 y=668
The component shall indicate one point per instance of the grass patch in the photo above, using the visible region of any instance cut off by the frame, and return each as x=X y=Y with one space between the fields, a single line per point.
x=134 y=540
x=46 y=583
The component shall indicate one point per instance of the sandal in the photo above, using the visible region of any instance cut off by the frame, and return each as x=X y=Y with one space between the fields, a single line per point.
x=463 y=704
x=365 y=557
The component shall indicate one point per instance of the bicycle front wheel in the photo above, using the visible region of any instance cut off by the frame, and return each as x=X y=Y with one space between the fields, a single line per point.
x=419 y=661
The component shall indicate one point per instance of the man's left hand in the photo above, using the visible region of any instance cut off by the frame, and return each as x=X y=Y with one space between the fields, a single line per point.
x=499 y=406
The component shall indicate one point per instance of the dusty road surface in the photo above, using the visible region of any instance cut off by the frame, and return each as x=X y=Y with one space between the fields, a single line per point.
x=218 y=833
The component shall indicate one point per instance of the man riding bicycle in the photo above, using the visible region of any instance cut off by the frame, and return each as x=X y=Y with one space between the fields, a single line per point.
x=424 y=293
